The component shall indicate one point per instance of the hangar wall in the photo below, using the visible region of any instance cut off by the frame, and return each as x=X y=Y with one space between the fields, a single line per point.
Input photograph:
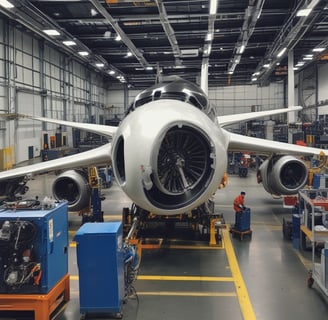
x=37 y=79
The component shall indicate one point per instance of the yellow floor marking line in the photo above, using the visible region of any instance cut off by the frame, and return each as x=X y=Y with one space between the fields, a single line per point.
x=186 y=294
x=242 y=293
x=176 y=278
x=307 y=263
x=185 y=278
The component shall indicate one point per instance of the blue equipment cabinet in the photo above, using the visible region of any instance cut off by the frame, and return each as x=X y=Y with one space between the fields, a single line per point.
x=243 y=220
x=100 y=259
x=33 y=249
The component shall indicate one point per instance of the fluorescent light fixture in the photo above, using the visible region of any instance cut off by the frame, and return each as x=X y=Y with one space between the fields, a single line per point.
x=111 y=72
x=213 y=6
x=129 y=54
x=308 y=55
x=267 y=65
x=303 y=12
x=100 y=65
x=118 y=38
x=107 y=34
x=281 y=52
x=149 y=68
x=6 y=4
x=300 y=64
x=295 y=68
x=209 y=37
x=230 y=72
x=256 y=73
x=242 y=49
x=319 y=49
x=83 y=53
x=254 y=79
x=307 y=58
x=51 y=32
x=69 y=43
x=93 y=12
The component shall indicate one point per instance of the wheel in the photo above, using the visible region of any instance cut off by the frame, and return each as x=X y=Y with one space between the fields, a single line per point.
x=310 y=279
x=310 y=282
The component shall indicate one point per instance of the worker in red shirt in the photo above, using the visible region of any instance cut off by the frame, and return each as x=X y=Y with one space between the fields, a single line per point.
x=239 y=204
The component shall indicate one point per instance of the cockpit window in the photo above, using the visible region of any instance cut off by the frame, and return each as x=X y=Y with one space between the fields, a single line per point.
x=178 y=89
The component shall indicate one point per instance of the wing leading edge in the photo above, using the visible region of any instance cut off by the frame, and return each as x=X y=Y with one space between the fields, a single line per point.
x=97 y=156
x=236 y=118
x=105 y=130
x=239 y=142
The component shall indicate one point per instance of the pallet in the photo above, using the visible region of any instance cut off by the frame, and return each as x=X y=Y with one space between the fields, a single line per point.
x=240 y=234
x=44 y=305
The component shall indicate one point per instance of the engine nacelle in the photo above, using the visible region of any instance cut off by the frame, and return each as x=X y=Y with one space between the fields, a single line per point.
x=72 y=186
x=168 y=166
x=283 y=175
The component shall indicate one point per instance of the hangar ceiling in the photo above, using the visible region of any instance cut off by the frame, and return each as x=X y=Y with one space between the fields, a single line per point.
x=139 y=40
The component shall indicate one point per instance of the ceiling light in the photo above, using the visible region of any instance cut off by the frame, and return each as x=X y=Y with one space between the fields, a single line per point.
x=69 y=43
x=242 y=49
x=254 y=79
x=295 y=68
x=213 y=6
x=307 y=58
x=267 y=65
x=107 y=34
x=100 y=65
x=209 y=37
x=149 y=68
x=118 y=38
x=129 y=54
x=300 y=64
x=281 y=52
x=93 y=12
x=6 y=4
x=230 y=72
x=303 y=12
x=308 y=55
x=256 y=73
x=51 y=32
x=319 y=49
x=83 y=53
x=111 y=72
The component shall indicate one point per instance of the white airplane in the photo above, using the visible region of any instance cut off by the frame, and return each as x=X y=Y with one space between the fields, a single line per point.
x=169 y=154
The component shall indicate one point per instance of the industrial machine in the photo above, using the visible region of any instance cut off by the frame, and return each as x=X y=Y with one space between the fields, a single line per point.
x=107 y=267
x=33 y=247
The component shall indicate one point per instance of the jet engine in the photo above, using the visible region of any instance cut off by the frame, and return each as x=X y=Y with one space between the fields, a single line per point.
x=169 y=166
x=72 y=186
x=283 y=175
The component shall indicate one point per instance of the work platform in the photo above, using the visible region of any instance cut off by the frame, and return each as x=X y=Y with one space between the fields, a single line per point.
x=45 y=306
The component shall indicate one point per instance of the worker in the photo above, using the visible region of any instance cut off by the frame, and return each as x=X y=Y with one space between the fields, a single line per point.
x=239 y=204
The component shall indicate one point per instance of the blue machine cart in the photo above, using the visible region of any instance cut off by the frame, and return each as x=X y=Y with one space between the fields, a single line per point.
x=100 y=258
x=33 y=249
x=243 y=223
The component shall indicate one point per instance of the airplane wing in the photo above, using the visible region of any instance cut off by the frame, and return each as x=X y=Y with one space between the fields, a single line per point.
x=105 y=130
x=97 y=156
x=246 y=143
x=235 y=118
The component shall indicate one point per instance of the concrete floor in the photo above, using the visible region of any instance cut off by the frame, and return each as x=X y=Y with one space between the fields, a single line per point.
x=267 y=283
